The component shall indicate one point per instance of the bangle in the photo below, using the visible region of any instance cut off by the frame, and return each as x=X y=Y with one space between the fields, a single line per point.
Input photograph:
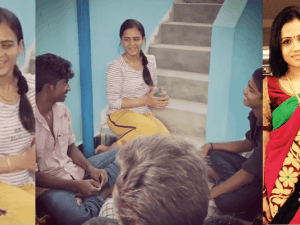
x=8 y=162
x=212 y=147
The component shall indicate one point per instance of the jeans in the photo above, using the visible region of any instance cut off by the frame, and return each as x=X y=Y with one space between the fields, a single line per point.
x=61 y=204
x=248 y=197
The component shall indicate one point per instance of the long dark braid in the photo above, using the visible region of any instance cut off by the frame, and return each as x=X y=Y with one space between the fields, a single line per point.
x=146 y=72
x=25 y=110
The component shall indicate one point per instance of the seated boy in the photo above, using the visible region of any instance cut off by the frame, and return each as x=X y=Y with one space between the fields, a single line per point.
x=239 y=180
x=62 y=170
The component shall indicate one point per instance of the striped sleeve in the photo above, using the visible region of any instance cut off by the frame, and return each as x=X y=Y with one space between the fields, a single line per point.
x=114 y=80
x=14 y=139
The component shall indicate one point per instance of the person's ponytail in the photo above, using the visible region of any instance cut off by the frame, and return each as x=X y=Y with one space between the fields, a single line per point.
x=25 y=110
x=146 y=72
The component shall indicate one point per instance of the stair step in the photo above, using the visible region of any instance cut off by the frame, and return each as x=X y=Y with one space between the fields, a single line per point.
x=205 y=1
x=184 y=117
x=194 y=34
x=183 y=75
x=198 y=142
x=107 y=135
x=196 y=12
x=184 y=85
x=181 y=57
x=180 y=47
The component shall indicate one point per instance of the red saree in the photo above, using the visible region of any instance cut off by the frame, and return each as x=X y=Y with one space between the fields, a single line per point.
x=282 y=164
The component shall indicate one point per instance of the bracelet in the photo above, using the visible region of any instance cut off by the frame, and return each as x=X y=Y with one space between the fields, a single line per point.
x=8 y=162
x=212 y=147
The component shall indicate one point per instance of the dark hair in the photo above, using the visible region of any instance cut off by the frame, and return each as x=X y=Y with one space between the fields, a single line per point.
x=131 y=23
x=278 y=66
x=51 y=68
x=25 y=110
x=258 y=78
x=161 y=181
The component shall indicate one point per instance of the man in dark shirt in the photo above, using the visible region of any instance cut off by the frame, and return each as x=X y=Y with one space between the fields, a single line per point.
x=238 y=179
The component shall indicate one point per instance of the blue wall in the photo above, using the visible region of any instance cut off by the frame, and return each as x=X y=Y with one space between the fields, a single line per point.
x=57 y=32
x=25 y=11
x=235 y=53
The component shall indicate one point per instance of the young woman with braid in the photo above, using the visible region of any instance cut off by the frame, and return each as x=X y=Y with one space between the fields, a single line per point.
x=131 y=86
x=17 y=148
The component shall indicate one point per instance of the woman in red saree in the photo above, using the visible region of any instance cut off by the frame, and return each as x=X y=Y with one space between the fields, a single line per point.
x=281 y=124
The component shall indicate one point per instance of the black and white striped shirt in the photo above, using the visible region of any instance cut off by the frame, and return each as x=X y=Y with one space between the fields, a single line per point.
x=14 y=139
x=124 y=82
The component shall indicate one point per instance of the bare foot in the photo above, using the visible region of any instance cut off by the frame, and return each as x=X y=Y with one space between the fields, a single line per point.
x=100 y=149
x=2 y=212
x=79 y=200
x=42 y=220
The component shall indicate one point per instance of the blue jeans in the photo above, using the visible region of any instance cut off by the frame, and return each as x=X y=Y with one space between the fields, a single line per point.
x=248 y=197
x=61 y=204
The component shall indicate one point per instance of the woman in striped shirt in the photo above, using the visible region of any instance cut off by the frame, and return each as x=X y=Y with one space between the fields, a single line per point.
x=17 y=149
x=131 y=86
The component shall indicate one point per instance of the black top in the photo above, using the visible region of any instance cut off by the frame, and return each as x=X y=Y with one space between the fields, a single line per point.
x=254 y=163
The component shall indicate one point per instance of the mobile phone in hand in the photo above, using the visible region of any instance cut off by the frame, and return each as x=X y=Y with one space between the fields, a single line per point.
x=158 y=93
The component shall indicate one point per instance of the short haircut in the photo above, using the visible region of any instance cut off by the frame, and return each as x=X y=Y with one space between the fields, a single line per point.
x=51 y=68
x=278 y=66
x=161 y=181
x=258 y=78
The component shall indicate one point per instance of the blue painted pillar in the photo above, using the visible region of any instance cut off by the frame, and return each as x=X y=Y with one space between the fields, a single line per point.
x=83 y=17
x=236 y=51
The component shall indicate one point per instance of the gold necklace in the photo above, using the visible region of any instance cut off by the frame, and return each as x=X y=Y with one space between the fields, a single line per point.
x=13 y=96
x=292 y=87
x=131 y=62
x=48 y=116
x=9 y=100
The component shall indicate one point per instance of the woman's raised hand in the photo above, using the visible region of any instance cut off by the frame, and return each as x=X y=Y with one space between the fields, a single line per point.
x=157 y=102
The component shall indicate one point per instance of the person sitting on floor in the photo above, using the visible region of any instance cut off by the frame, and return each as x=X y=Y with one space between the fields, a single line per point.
x=238 y=179
x=63 y=171
x=162 y=181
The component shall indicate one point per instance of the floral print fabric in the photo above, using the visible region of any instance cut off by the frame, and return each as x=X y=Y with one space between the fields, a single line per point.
x=288 y=176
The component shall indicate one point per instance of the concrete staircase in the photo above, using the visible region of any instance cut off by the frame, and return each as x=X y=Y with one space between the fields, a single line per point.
x=183 y=56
